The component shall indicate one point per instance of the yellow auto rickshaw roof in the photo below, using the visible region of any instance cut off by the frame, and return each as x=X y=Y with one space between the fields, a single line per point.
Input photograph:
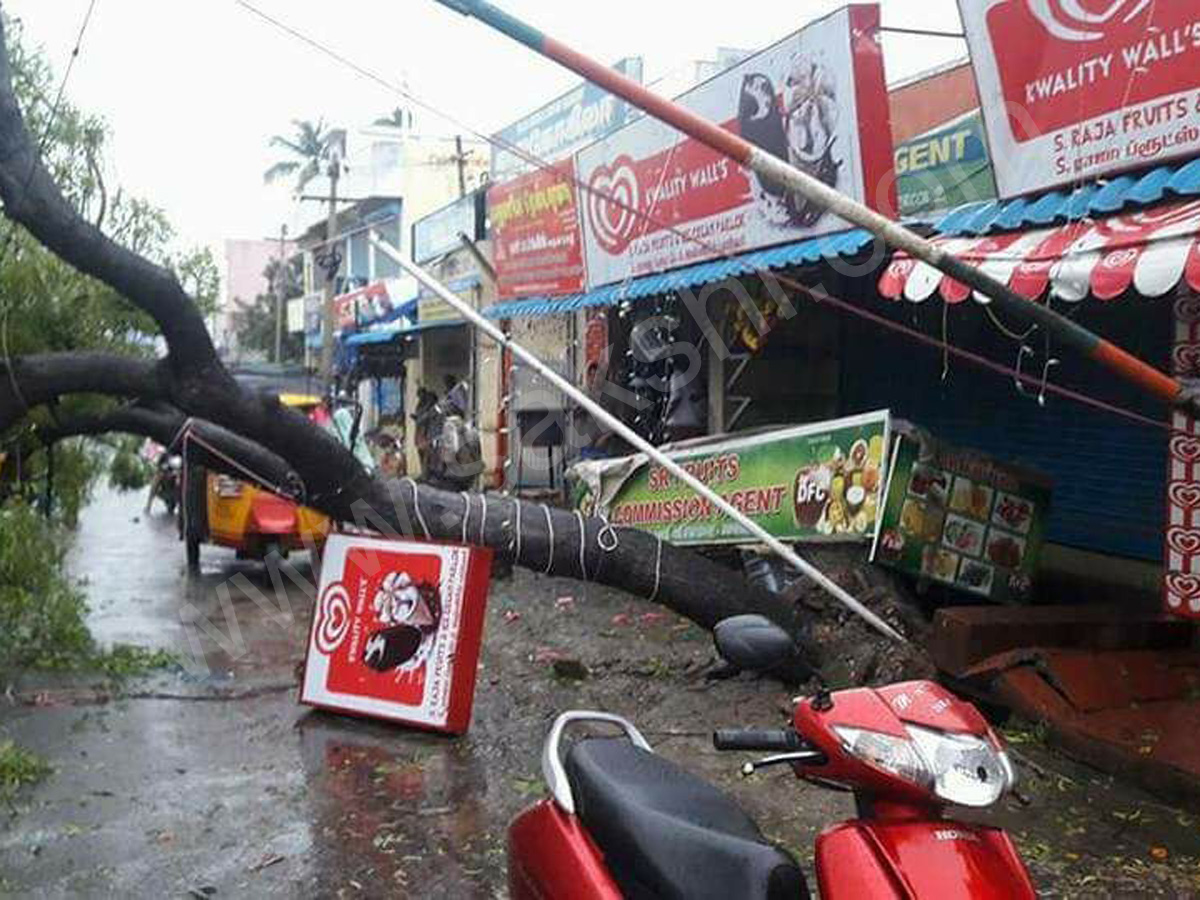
x=300 y=400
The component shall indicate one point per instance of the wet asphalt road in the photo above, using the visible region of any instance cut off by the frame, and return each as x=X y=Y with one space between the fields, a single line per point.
x=211 y=781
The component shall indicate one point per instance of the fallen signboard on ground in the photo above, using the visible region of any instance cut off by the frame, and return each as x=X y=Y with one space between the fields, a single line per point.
x=961 y=518
x=396 y=631
x=817 y=482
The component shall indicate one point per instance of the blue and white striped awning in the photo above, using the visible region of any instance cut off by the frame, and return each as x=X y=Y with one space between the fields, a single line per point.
x=846 y=243
x=1096 y=199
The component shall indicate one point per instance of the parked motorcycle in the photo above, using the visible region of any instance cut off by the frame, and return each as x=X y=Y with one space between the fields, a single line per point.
x=622 y=821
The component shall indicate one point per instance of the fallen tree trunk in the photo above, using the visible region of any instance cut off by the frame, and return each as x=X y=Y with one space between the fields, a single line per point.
x=284 y=446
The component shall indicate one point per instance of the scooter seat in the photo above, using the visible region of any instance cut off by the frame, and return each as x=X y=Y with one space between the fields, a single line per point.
x=666 y=834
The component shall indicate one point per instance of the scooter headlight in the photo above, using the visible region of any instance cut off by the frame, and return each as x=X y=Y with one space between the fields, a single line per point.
x=892 y=754
x=967 y=770
x=960 y=769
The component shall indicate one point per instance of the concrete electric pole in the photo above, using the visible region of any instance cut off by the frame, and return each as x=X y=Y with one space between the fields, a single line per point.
x=280 y=293
x=333 y=255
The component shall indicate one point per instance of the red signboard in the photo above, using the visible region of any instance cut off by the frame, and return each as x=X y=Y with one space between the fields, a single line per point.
x=1074 y=89
x=396 y=631
x=361 y=306
x=535 y=233
x=654 y=201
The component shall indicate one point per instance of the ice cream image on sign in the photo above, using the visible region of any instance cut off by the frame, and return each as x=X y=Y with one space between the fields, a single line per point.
x=411 y=614
x=798 y=127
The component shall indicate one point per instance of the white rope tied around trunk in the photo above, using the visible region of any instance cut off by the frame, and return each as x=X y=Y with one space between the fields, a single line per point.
x=550 y=533
x=898 y=237
x=517 y=555
x=466 y=513
x=582 y=546
x=607 y=538
x=657 y=568
x=417 y=507
x=482 y=519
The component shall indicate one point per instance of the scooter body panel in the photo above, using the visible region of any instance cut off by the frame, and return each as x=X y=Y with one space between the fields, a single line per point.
x=551 y=856
x=949 y=860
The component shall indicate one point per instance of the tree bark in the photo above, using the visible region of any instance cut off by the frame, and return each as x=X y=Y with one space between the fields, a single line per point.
x=27 y=382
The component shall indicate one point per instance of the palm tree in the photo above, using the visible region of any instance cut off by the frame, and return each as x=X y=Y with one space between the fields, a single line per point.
x=315 y=148
x=318 y=151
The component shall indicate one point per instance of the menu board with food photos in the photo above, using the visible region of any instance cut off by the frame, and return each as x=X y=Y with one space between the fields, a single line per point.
x=960 y=518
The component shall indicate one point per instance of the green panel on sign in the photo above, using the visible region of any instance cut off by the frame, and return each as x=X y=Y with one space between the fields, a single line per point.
x=946 y=167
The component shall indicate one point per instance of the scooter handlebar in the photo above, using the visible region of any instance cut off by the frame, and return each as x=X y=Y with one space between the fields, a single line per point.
x=767 y=740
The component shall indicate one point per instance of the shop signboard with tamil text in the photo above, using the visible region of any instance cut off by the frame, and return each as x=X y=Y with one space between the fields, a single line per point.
x=536 y=242
x=959 y=518
x=653 y=200
x=1075 y=90
x=562 y=126
x=819 y=482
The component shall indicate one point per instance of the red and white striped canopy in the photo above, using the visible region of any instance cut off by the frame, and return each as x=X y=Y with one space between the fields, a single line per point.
x=1151 y=250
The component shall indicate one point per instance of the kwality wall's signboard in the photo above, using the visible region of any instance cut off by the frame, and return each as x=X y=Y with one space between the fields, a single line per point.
x=1075 y=89
x=536 y=241
x=563 y=125
x=654 y=201
x=944 y=167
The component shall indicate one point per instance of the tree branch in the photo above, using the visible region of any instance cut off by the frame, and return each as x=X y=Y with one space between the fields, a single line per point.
x=29 y=381
x=32 y=199
x=211 y=446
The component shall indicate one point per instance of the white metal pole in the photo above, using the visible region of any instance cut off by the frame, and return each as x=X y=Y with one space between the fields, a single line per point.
x=781 y=549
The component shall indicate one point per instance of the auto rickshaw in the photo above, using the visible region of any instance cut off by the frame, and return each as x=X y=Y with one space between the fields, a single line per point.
x=229 y=512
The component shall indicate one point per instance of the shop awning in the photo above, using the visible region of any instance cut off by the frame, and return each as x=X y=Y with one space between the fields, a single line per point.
x=1151 y=250
x=846 y=243
x=385 y=336
x=1091 y=200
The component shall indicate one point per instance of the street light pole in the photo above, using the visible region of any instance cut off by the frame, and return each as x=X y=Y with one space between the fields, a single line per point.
x=280 y=291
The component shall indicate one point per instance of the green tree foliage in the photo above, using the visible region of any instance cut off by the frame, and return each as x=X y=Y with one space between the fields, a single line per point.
x=254 y=323
x=47 y=306
x=41 y=613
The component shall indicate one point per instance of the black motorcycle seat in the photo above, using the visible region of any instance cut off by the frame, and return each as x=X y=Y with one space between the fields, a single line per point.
x=666 y=834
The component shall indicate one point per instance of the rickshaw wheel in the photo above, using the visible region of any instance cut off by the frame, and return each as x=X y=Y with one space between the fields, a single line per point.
x=193 y=555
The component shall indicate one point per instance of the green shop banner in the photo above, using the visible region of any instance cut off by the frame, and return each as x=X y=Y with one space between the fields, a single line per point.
x=945 y=167
x=961 y=518
x=819 y=482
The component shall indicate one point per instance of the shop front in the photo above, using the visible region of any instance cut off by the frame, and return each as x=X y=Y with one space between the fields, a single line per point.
x=448 y=354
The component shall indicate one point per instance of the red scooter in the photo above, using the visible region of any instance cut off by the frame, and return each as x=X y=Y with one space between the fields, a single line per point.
x=622 y=821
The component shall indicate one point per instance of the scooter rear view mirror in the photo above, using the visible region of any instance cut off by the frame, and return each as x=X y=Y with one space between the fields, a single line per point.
x=753 y=643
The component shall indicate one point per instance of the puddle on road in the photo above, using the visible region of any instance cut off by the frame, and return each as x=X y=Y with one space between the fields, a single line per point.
x=232 y=622
x=396 y=810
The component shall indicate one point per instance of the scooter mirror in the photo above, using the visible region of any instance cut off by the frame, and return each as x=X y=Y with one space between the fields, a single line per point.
x=753 y=642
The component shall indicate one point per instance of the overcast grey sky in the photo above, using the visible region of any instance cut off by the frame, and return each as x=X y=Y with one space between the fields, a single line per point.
x=193 y=89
